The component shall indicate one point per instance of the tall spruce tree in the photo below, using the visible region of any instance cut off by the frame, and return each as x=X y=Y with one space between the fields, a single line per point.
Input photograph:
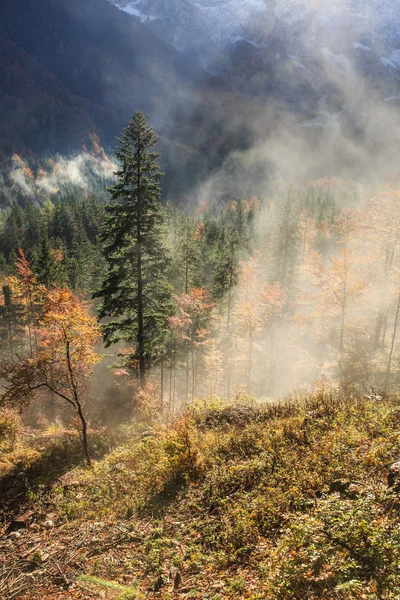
x=136 y=297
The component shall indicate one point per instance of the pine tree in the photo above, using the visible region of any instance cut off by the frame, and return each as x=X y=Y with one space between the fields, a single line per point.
x=135 y=293
x=62 y=223
x=81 y=260
x=47 y=264
x=32 y=218
x=11 y=319
x=13 y=230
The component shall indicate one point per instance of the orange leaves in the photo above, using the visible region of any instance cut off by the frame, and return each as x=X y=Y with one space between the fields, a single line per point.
x=193 y=310
x=258 y=302
x=346 y=224
x=27 y=288
x=67 y=321
x=23 y=268
x=18 y=160
x=200 y=230
x=64 y=356
x=247 y=316
x=195 y=303
x=273 y=299
x=58 y=255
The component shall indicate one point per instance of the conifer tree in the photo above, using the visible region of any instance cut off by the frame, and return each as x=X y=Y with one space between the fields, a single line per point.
x=13 y=229
x=11 y=318
x=32 y=225
x=47 y=264
x=135 y=293
x=81 y=260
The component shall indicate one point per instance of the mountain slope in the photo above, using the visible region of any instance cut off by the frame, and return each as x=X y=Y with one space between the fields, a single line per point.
x=105 y=65
x=302 y=22
x=38 y=112
x=203 y=29
x=280 y=38
x=287 y=500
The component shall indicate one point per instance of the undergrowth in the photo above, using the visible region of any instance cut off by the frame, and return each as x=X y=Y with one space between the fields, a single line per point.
x=283 y=500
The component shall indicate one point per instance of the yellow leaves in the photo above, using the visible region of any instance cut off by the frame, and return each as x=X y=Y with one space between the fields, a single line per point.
x=200 y=230
x=345 y=224
x=67 y=334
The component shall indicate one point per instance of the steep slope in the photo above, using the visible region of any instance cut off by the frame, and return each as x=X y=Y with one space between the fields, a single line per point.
x=280 y=38
x=38 y=112
x=204 y=29
x=286 y=500
x=108 y=64
x=225 y=22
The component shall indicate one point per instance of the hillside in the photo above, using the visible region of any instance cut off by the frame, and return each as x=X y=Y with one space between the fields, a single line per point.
x=71 y=68
x=40 y=114
x=282 y=39
x=252 y=500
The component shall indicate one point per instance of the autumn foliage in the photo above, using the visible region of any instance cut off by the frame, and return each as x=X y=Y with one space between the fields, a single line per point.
x=64 y=357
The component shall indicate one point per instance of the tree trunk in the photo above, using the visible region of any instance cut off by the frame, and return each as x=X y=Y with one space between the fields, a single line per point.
x=195 y=368
x=285 y=259
x=162 y=370
x=187 y=378
x=187 y=261
x=305 y=240
x=381 y=322
x=84 y=435
x=392 y=346
x=10 y=340
x=174 y=390
x=170 y=389
x=250 y=359
x=343 y=315
x=142 y=366
x=228 y=377
x=272 y=361
x=77 y=405
x=228 y=365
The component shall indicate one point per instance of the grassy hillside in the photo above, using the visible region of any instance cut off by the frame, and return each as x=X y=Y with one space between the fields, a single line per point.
x=253 y=500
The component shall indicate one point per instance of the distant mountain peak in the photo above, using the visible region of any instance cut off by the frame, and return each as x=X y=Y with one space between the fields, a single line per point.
x=204 y=29
x=308 y=53
x=207 y=27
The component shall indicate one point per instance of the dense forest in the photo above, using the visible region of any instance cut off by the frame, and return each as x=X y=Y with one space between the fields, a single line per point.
x=199 y=300
x=121 y=313
x=258 y=296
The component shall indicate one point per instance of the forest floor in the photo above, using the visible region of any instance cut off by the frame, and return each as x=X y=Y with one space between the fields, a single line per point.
x=257 y=500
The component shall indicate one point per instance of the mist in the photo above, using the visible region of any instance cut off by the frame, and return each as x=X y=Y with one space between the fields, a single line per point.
x=309 y=131
x=84 y=173
x=314 y=173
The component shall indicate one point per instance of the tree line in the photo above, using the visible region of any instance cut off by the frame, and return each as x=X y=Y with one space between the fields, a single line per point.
x=253 y=296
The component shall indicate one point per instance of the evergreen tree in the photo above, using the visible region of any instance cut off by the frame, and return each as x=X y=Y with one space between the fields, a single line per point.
x=62 y=223
x=47 y=264
x=81 y=259
x=32 y=219
x=48 y=210
x=13 y=230
x=11 y=318
x=135 y=293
